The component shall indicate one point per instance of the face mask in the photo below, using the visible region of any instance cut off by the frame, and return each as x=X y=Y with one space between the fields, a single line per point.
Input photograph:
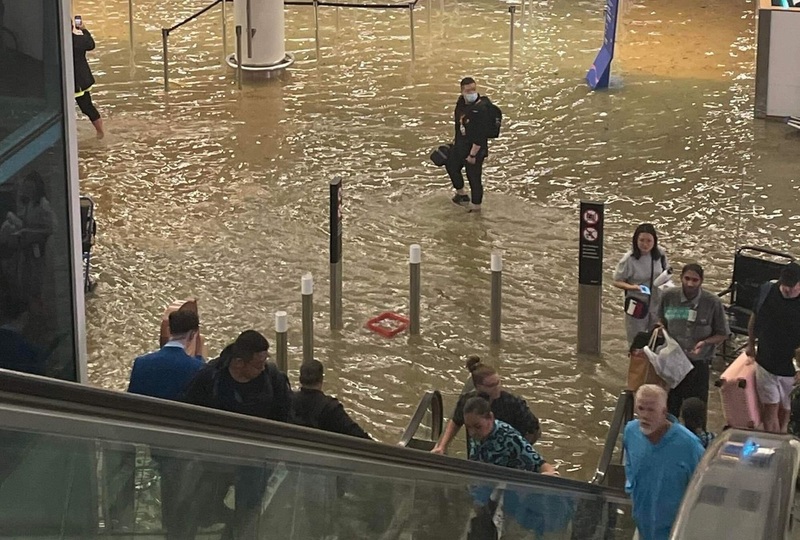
x=472 y=97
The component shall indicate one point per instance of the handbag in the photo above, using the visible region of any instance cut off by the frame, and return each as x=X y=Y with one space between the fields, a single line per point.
x=440 y=155
x=669 y=360
x=640 y=370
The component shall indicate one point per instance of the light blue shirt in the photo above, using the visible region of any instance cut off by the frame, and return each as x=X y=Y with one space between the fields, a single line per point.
x=657 y=475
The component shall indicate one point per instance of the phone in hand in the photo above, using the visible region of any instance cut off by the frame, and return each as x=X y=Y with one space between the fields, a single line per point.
x=78 y=21
x=645 y=289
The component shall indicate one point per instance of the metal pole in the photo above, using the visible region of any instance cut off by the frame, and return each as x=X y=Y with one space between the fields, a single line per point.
x=496 y=310
x=281 y=341
x=249 y=32
x=130 y=25
x=316 y=26
x=335 y=226
x=430 y=5
x=411 y=19
x=239 y=55
x=414 y=260
x=337 y=19
x=307 y=289
x=511 y=9
x=224 y=31
x=164 y=36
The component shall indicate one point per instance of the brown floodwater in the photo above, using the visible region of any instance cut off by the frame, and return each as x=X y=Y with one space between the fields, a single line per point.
x=222 y=194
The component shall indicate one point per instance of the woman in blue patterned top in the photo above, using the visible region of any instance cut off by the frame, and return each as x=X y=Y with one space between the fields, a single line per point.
x=495 y=442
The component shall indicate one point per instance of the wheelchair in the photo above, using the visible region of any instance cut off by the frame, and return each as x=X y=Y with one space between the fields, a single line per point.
x=752 y=267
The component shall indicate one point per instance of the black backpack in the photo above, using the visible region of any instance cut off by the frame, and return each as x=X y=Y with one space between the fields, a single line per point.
x=494 y=119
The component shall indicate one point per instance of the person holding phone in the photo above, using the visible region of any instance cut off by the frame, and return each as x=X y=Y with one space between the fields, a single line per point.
x=635 y=274
x=82 y=41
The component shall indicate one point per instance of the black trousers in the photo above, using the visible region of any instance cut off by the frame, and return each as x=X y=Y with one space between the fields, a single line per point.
x=695 y=384
x=87 y=107
x=456 y=161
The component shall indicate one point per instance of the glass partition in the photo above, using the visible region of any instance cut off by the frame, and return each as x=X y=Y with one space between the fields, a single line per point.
x=76 y=476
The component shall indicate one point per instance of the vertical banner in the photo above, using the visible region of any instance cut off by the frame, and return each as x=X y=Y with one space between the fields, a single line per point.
x=599 y=73
x=590 y=276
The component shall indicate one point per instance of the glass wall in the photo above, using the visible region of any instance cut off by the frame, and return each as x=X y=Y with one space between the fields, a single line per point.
x=38 y=297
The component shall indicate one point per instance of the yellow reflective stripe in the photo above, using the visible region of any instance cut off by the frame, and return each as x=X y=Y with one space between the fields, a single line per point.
x=79 y=94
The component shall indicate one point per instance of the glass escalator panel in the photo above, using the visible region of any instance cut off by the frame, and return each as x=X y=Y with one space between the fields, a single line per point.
x=132 y=466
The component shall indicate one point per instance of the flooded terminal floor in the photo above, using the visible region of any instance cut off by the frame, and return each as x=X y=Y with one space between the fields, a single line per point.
x=223 y=194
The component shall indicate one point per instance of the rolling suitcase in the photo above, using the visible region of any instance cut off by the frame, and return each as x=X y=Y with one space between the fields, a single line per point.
x=737 y=387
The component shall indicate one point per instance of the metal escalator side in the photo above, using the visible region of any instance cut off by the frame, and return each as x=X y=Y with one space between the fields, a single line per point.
x=430 y=401
x=744 y=487
x=80 y=462
x=611 y=472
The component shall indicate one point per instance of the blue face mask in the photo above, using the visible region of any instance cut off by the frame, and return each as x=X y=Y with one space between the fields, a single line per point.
x=471 y=97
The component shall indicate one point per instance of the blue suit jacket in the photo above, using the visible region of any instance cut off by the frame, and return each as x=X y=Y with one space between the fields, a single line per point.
x=164 y=373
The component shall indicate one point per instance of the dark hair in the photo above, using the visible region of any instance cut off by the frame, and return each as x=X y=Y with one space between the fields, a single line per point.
x=183 y=321
x=479 y=370
x=467 y=80
x=648 y=228
x=311 y=373
x=693 y=267
x=477 y=405
x=247 y=344
x=38 y=186
x=693 y=413
x=790 y=275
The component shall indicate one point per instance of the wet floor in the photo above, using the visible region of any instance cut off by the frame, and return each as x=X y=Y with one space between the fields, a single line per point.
x=222 y=194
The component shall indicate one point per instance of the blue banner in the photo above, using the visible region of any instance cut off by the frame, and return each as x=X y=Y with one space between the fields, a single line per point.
x=599 y=73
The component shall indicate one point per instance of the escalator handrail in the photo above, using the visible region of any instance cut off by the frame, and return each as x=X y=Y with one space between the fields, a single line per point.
x=623 y=413
x=67 y=398
x=432 y=399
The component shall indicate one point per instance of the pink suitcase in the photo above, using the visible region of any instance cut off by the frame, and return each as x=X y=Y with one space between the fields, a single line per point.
x=737 y=387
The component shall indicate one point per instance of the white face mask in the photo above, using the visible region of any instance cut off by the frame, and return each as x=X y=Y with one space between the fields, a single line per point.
x=471 y=97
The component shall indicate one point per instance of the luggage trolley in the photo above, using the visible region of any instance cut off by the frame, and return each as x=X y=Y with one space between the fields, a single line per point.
x=752 y=267
x=88 y=235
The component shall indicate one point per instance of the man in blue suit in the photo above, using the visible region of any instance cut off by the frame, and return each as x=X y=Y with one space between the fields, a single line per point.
x=166 y=372
x=163 y=374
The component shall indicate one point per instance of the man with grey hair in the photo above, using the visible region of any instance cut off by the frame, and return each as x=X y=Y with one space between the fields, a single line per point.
x=660 y=458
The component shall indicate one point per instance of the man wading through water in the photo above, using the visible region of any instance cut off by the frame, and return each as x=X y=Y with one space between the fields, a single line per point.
x=470 y=146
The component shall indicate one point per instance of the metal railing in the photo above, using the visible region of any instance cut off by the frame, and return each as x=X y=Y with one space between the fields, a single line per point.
x=623 y=413
x=431 y=400
x=166 y=31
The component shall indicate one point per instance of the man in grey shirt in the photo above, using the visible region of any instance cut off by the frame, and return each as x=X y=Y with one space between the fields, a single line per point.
x=696 y=319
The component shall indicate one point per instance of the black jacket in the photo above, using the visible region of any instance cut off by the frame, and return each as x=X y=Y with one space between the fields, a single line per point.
x=83 y=75
x=312 y=408
x=474 y=118
x=267 y=396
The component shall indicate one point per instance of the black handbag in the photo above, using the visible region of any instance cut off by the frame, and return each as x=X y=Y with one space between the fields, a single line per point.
x=440 y=155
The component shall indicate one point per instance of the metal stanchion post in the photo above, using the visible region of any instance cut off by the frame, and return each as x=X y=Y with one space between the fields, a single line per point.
x=430 y=5
x=239 y=55
x=335 y=225
x=164 y=37
x=281 y=341
x=130 y=25
x=411 y=18
x=511 y=9
x=496 y=309
x=414 y=260
x=337 y=19
x=307 y=289
x=224 y=31
x=316 y=26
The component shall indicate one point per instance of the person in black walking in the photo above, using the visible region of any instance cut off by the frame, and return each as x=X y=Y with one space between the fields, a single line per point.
x=82 y=41
x=470 y=146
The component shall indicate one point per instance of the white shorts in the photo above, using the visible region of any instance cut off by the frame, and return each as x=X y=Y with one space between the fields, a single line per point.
x=773 y=389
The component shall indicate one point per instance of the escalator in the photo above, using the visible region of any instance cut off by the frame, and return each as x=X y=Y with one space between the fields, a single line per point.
x=80 y=462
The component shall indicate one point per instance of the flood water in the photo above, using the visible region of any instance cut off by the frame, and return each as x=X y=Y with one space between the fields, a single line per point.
x=222 y=194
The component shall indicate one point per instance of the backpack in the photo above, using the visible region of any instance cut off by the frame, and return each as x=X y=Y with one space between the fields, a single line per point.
x=494 y=119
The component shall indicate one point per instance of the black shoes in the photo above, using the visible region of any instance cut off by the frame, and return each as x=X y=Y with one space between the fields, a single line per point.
x=461 y=200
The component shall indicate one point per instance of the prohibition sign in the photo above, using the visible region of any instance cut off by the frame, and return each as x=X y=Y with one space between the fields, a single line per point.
x=590 y=234
x=591 y=217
